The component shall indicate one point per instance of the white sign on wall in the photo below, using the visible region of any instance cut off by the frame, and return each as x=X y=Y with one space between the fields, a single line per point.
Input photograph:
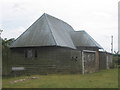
x=18 y=68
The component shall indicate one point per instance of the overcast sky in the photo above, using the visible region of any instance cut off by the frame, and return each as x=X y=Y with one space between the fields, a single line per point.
x=99 y=18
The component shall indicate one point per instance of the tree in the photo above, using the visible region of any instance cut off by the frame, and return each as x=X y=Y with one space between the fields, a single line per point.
x=116 y=58
x=6 y=43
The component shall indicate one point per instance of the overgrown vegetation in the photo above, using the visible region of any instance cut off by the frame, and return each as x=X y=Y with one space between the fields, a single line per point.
x=5 y=44
x=5 y=49
x=102 y=79
x=116 y=59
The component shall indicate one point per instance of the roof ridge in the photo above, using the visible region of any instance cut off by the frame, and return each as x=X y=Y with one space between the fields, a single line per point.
x=52 y=31
x=27 y=29
x=58 y=19
x=50 y=28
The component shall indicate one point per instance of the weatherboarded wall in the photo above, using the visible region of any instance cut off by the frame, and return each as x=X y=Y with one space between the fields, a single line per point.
x=45 y=60
x=105 y=60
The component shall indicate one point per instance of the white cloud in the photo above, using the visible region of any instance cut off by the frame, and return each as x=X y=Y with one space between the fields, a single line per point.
x=98 y=17
x=14 y=33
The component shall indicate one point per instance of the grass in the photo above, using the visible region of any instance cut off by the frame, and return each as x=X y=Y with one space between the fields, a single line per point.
x=102 y=79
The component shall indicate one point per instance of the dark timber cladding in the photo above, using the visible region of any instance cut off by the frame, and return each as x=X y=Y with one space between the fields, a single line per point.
x=105 y=60
x=48 y=60
x=50 y=45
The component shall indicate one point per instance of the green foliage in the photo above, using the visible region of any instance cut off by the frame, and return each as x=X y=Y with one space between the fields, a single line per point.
x=5 y=47
x=6 y=43
x=102 y=79
x=116 y=59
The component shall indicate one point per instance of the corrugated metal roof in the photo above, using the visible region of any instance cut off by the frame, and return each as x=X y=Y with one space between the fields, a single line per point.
x=46 y=31
x=82 y=38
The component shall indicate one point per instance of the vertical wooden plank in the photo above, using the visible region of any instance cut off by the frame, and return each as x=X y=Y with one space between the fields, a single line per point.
x=83 y=62
x=97 y=60
x=107 y=63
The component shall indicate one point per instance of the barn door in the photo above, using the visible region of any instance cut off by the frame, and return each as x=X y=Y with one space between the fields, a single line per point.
x=88 y=61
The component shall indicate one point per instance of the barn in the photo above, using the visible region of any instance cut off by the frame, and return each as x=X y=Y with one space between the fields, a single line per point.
x=50 y=45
